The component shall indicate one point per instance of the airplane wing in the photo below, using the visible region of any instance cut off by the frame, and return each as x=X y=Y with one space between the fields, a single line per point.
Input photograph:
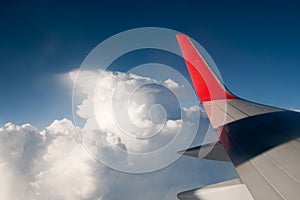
x=262 y=141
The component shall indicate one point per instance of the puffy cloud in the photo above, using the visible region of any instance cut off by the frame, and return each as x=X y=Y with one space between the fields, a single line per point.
x=53 y=164
x=171 y=84
x=44 y=165
x=130 y=106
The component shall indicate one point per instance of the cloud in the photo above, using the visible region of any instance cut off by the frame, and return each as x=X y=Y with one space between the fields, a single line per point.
x=53 y=164
x=171 y=84
x=131 y=106
x=44 y=165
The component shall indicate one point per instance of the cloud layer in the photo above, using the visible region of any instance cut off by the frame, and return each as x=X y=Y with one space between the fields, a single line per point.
x=53 y=164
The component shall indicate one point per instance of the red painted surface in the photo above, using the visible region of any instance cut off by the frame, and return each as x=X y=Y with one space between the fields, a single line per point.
x=206 y=84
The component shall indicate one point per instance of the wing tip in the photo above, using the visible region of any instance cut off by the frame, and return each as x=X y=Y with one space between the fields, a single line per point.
x=207 y=85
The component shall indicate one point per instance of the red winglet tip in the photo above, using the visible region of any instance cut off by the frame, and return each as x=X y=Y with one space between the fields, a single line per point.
x=206 y=84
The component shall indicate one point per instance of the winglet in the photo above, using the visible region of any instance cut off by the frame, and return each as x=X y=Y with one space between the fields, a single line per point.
x=208 y=87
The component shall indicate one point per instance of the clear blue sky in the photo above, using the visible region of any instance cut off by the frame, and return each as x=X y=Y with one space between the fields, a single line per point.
x=255 y=46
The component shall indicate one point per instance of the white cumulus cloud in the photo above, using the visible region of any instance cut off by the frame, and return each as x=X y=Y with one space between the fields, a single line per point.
x=53 y=164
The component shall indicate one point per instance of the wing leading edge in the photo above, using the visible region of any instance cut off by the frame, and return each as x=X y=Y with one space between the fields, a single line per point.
x=262 y=141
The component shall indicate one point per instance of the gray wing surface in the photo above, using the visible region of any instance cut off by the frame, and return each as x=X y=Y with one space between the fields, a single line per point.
x=263 y=143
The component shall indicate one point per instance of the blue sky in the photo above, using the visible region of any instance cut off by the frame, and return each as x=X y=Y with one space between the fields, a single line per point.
x=255 y=46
